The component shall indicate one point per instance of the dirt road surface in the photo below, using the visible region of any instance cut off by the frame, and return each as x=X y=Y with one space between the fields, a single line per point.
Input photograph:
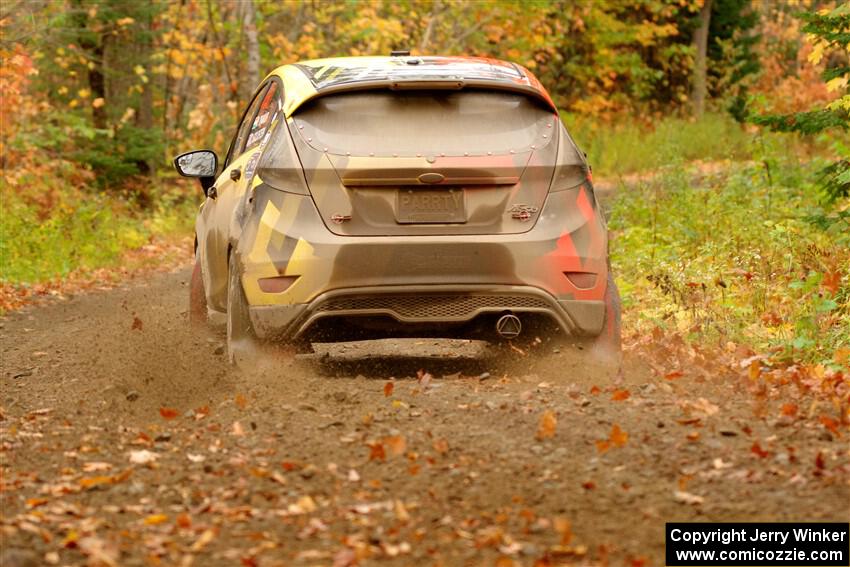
x=128 y=440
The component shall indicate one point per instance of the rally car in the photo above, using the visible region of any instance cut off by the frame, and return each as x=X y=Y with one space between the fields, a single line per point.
x=366 y=197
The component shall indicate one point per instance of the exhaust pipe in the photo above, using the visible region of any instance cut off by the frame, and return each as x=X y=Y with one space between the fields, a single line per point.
x=508 y=326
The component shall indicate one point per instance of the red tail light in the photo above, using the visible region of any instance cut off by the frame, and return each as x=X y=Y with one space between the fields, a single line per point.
x=582 y=280
x=276 y=285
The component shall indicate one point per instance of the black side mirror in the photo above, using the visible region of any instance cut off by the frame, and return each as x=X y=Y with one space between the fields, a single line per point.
x=202 y=164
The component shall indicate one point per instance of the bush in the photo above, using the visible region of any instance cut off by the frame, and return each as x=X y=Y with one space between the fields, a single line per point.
x=737 y=256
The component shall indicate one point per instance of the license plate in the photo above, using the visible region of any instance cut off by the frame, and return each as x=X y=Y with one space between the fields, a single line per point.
x=430 y=206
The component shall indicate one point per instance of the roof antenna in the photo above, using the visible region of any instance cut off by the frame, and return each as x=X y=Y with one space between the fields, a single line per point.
x=399 y=53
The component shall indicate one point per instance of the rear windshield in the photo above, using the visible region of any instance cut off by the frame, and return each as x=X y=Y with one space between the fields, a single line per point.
x=410 y=123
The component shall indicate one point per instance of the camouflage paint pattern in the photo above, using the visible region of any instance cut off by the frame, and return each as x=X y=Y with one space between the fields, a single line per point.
x=329 y=222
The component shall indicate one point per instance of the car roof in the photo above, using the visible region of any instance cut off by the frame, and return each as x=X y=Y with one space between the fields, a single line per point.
x=306 y=80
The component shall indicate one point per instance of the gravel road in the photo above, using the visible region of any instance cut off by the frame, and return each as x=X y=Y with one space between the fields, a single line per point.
x=128 y=440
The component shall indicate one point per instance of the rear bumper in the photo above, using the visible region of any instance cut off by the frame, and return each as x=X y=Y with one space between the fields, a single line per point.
x=422 y=304
x=422 y=279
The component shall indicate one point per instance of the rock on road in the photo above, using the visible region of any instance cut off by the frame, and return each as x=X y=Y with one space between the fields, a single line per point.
x=128 y=440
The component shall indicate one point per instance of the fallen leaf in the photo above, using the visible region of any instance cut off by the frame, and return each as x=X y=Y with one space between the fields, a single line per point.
x=548 y=424
x=789 y=409
x=36 y=502
x=441 y=446
x=831 y=281
x=755 y=370
x=757 y=450
x=687 y=498
x=168 y=413
x=588 y=485
x=240 y=401
x=143 y=457
x=137 y=324
x=424 y=379
x=95 y=466
x=376 y=452
x=96 y=481
x=388 y=389
x=674 y=375
x=595 y=391
x=620 y=395
x=401 y=513
x=618 y=436
x=830 y=424
x=155 y=519
x=202 y=541
x=396 y=443
x=183 y=521
x=564 y=529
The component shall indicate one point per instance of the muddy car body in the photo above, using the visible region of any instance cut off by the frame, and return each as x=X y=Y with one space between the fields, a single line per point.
x=426 y=196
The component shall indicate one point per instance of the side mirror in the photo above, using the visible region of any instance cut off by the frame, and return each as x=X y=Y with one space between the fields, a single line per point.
x=202 y=164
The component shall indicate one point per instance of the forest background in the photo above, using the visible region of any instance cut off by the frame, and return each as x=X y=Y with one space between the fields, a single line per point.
x=723 y=123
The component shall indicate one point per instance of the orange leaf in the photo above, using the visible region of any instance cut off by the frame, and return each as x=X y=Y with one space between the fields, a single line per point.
x=441 y=446
x=595 y=390
x=155 y=519
x=755 y=370
x=674 y=375
x=388 y=389
x=618 y=436
x=168 y=413
x=832 y=281
x=396 y=444
x=376 y=452
x=603 y=445
x=757 y=450
x=589 y=485
x=830 y=424
x=789 y=409
x=137 y=324
x=620 y=395
x=547 y=425
x=240 y=400
x=184 y=521
x=36 y=502
x=564 y=528
x=93 y=481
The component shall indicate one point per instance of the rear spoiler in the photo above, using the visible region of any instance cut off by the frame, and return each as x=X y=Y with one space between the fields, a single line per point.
x=427 y=84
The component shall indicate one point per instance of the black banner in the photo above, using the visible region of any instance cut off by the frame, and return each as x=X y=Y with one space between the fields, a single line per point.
x=762 y=544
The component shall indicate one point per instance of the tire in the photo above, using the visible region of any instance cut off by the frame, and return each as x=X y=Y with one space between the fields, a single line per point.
x=241 y=339
x=610 y=341
x=197 y=297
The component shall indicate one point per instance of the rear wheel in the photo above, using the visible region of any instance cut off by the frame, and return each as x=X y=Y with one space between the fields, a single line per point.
x=197 y=297
x=241 y=339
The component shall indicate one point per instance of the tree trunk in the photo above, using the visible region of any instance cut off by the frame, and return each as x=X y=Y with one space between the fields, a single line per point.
x=144 y=118
x=252 y=46
x=698 y=90
x=93 y=44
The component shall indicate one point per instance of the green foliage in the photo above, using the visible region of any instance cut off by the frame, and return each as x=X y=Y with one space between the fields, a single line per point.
x=81 y=231
x=735 y=256
x=629 y=146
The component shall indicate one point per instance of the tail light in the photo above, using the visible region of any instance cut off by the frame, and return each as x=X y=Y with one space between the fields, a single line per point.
x=278 y=284
x=571 y=168
x=582 y=280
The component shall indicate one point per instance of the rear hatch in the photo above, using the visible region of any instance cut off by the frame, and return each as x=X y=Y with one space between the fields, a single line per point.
x=435 y=162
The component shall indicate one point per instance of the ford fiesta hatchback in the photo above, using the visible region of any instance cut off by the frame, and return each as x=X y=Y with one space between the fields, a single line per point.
x=370 y=197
